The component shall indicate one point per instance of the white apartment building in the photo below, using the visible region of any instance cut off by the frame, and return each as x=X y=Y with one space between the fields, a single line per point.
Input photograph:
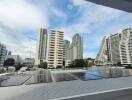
x=113 y=49
x=109 y=50
x=3 y=52
x=116 y=48
x=101 y=58
x=41 y=47
x=126 y=46
x=75 y=50
x=55 y=49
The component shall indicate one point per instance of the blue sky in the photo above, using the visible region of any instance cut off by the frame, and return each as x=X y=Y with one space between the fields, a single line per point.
x=20 y=21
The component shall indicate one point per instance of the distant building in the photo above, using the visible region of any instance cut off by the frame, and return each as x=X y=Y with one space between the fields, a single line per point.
x=9 y=53
x=65 y=49
x=41 y=48
x=28 y=62
x=75 y=50
x=3 y=52
x=17 y=58
x=55 y=49
x=116 y=49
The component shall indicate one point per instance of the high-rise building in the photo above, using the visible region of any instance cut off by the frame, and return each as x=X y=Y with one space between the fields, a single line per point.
x=101 y=58
x=9 y=53
x=109 y=51
x=66 y=45
x=75 y=50
x=114 y=55
x=55 y=49
x=126 y=46
x=41 y=48
x=3 y=52
x=116 y=48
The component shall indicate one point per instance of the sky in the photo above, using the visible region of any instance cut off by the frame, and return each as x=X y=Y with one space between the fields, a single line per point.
x=20 y=21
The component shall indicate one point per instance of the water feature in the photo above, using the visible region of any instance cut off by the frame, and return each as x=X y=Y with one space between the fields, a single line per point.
x=91 y=74
x=59 y=77
x=47 y=76
x=42 y=76
x=95 y=73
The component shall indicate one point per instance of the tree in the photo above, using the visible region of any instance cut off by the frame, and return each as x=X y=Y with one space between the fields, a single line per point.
x=77 y=63
x=43 y=65
x=9 y=62
x=90 y=62
x=119 y=64
x=18 y=66
x=59 y=67
x=63 y=63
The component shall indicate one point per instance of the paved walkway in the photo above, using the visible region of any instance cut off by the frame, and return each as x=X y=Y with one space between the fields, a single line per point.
x=56 y=90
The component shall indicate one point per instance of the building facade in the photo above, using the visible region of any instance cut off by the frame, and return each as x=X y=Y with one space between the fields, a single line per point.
x=116 y=48
x=114 y=55
x=41 y=47
x=55 y=49
x=3 y=52
x=65 y=49
x=75 y=50
x=101 y=58
x=126 y=46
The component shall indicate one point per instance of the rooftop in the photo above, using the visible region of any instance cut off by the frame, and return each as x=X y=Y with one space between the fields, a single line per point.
x=66 y=86
x=63 y=90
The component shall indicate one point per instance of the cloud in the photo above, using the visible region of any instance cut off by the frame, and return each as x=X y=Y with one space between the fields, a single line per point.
x=21 y=14
x=17 y=17
x=95 y=22
x=20 y=21
x=89 y=54
x=17 y=43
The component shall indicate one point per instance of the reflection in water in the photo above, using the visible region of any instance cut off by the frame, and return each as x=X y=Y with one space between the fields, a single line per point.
x=43 y=76
x=95 y=73
x=63 y=77
x=92 y=74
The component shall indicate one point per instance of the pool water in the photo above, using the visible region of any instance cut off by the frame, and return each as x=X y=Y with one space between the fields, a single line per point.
x=91 y=74
x=47 y=76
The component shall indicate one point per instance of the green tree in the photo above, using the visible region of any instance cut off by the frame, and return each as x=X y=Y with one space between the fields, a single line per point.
x=78 y=63
x=43 y=65
x=9 y=62
x=59 y=67
x=90 y=62
x=18 y=66
x=119 y=64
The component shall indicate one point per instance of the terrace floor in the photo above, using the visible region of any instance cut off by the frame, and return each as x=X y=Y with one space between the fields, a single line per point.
x=68 y=85
x=63 y=90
